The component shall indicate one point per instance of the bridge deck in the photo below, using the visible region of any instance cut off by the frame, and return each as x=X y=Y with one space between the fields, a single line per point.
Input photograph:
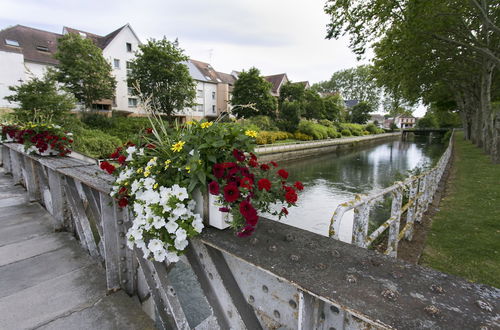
x=47 y=280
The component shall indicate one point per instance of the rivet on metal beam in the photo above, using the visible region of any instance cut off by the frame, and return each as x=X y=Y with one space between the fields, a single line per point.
x=334 y=309
x=292 y=303
x=265 y=289
x=210 y=276
x=251 y=299
x=277 y=314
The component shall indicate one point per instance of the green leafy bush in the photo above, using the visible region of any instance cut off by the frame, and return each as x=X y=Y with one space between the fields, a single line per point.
x=317 y=131
x=332 y=132
x=346 y=132
x=95 y=143
x=302 y=136
x=268 y=137
x=259 y=123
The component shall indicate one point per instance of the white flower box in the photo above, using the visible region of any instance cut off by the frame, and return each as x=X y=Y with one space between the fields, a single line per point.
x=209 y=211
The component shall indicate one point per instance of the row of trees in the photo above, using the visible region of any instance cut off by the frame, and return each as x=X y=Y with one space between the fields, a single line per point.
x=440 y=52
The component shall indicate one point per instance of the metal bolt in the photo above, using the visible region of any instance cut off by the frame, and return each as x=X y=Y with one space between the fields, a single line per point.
x=432 y=311
x=251 y=299
x=437 y=289
x=334 y=309
x=484 y=305
x=273 y=248
x=294 y=257
x=351 y=278
x=389 y=294
x=120 y=222
x=320 y=266
x=277 y=314
x=265 y=289
x=292 y=303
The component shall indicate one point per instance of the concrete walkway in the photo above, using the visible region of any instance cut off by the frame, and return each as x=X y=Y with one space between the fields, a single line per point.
x=47 y=281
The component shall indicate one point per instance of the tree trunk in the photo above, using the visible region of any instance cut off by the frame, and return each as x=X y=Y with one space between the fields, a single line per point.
x=485 y=103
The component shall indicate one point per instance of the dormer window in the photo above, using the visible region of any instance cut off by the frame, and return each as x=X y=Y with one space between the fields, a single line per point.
x=42 y=48
x=11 y=42
x=129 y=47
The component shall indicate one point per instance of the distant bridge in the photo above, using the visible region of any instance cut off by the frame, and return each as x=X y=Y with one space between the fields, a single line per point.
x=422 y=131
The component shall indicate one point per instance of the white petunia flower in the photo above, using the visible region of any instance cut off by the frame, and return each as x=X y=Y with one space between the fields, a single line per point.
x=180 y=244
x=160 y=255
x=181 y=234
x=155 y=245
x=172 y=257
x=171 y=226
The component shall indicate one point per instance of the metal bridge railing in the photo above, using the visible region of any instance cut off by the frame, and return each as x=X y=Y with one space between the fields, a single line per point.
x=417 y=192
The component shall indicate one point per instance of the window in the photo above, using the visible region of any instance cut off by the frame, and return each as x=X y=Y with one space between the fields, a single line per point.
x=129 y=67
x=130 y=90
x=11 y=42
x=132 y=103
x=199 y=107
x=213 y=108
x=213 y=95
x=42 y=48
x=129 y=47
x=116 y=63
x=114 y=101
x=199 y=93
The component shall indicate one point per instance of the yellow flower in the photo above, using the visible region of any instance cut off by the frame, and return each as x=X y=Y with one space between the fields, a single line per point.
x=191 y=122
x=146 y=173
x=155 y=186
x=199 y=161
x=167 y=163
x=125 y=183
x=178 y=146
x=251 y=133
x=206 y=124
x=140 y=170
x=188 y=168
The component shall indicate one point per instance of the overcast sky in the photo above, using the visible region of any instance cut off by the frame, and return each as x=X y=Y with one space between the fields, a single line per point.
x=275 y=36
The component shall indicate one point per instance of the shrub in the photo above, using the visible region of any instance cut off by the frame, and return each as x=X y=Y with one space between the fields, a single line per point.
x=317 y=131
x=302 y=137
x=268 y=137
x=259 y=123
x=95 y=120
x=346 y=132
x=95 y=143
x=371 y=128
x=327 y=123
x=332 y=132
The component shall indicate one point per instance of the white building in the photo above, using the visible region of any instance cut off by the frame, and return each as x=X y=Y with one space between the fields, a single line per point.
x=27 y=52
x=405 y=121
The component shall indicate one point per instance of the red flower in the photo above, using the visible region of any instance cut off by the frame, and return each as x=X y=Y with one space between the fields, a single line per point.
x=122 y=190
x=238 y=155
x=228 y=165
x=252 y=156
x=107 y=167
x=150 y=146
x=282 y=173
x=264 y=184
x=264 y=167
x=213 y=188
x=121 y=159
x=233 y=171
x=284 y=211
x=246 y=183
x=246 y=231
x=224 y=209
x=122 y=202
x=299 y=185
x=291 y=196
x=274 y=163
x=253 y=163
x=148 y=130
x=231 y=193
x=218 y=170
x=245 y=172
x=115 y=154
x=249 y=213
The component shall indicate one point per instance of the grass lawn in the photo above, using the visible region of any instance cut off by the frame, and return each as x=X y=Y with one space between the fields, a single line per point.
x=464 y=238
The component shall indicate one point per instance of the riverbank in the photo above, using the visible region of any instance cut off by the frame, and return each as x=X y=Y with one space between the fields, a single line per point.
x=290 y=151
x=464 y=237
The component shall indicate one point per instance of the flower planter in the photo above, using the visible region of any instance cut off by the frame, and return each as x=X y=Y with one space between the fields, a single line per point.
x=207 y=207
x=48 y=152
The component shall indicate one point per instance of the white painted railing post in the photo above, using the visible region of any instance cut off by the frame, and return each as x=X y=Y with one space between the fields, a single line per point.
x=410 y=213
x=360 y=225
x=397 y=200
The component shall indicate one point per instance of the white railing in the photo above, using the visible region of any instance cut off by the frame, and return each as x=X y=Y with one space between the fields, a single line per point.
x=417 y=192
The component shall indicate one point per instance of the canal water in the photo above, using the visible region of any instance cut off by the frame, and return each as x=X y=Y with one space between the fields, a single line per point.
x=336 y=177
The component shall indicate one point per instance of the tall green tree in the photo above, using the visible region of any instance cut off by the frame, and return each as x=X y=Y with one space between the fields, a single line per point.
x=289 y=115
x=159 y=74
x=360 y=113
x=252 y=96
x=41 y=100
x=292 y=92
x=353 y=84
x=314 y=107
x=334 y=108
x=83 y=70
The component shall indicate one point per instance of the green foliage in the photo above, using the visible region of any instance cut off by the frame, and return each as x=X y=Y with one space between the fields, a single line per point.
x=372 y=129
x=252 y=96
x=302 y=137
x=41 y=101
x=125 y=128
x=258 y=123
x=360 y=113
x=268 y=137
x=317 y=131
x=314 y=106
x=289 y=115
x=159 y=75
x=353 y=84
x=346 y=132
x=427 y=121
x=393 y=127
x=292 y=92
x=95 y=143
x=333 y=108
x=83 y=70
